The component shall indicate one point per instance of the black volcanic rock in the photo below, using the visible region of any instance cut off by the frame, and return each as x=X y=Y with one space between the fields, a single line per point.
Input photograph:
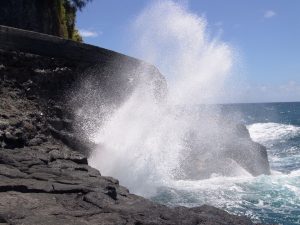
x=47 y=182
x=227 y=150
x=43 y=178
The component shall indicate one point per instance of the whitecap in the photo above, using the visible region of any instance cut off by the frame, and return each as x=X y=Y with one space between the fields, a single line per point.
x=269 y=132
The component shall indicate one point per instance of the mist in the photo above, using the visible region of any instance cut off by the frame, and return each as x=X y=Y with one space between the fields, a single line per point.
x=146 y=143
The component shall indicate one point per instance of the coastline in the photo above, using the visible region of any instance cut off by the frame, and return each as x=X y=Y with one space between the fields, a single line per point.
x=45 y=178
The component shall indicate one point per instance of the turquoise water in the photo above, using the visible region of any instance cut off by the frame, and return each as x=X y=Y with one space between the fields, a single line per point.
x=267 y=199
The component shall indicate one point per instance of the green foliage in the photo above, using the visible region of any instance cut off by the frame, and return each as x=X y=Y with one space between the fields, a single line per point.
x=61 y=15
x=78 y=4
x=76 y=36
x=67 y=16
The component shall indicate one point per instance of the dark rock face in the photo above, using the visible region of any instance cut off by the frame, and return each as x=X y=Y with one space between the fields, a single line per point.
x=231 y=152
x=101 y=75
x=250 y=155
x=44 y=174
x=36 y=15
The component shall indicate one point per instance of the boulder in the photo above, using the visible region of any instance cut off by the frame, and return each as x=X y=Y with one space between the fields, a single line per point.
x=224 y=149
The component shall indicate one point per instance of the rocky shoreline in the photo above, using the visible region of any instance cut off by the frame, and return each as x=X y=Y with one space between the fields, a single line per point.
x=45 y=176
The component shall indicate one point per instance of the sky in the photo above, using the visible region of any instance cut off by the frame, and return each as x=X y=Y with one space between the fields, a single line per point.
x=265 y=33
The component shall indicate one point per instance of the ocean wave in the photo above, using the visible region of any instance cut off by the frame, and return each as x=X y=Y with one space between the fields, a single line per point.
x=260 y=198
x=265 y=133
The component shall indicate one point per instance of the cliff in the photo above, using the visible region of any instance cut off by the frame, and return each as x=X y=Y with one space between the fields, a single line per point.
x=54 y=17
x=45 y=177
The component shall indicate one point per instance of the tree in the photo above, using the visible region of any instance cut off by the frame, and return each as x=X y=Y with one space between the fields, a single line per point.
x=79 y=4
x=71 y=7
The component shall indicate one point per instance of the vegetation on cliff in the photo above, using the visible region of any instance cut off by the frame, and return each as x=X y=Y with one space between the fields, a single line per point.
x=55 y=17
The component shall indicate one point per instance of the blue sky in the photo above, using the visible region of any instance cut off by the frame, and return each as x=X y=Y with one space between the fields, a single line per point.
x=266 y=33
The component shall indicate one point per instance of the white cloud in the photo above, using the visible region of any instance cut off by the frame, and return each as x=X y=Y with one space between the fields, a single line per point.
x=88 y=33
x=269 y=14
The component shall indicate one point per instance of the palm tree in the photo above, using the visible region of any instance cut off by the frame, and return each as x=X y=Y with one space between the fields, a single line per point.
x=78 y=4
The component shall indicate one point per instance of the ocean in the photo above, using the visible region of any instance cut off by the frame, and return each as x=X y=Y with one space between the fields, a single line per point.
x=267 y=199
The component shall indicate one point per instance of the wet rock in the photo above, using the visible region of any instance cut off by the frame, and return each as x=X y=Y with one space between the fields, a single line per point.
x=57 y=124
x=70 y=139
x=11 y=172
x=3 y=124
x=111 y=192
x=14 y=141
x=98 y=199
x=242 y=131
x=228 y=150
x=68 y=155
x=250 y=155
x=15 y=122
x=35 y=141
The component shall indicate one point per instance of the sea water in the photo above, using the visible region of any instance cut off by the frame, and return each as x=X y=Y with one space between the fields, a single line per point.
x=269 y=199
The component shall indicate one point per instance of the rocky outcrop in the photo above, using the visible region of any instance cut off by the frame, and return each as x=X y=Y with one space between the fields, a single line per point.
x=227 y=150
x=44 y=174
x=41 y=16
x=250 y=155
x=65 y=68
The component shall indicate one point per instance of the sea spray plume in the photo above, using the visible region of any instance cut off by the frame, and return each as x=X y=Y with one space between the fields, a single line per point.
x=135 y=143
x=108 y=84
x=178 y=42
x=143 y=143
